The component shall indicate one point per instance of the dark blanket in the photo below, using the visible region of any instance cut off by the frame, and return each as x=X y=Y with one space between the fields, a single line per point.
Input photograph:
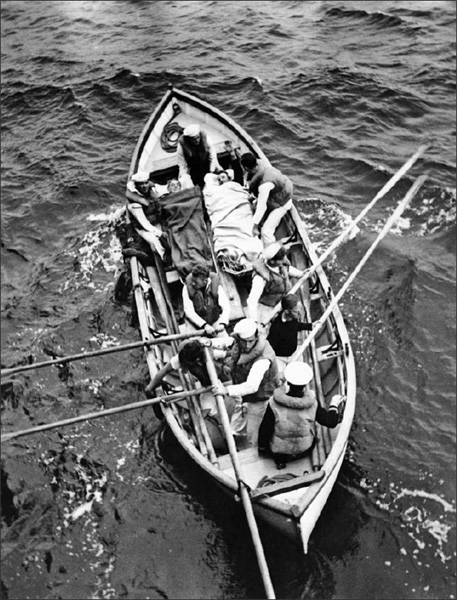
x=184 y=222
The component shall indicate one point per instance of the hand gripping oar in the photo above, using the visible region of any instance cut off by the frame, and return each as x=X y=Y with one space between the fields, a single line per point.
x=245 y=498
x=103 y=413
x=340 y=239
x=388 y=225
x=160 y=340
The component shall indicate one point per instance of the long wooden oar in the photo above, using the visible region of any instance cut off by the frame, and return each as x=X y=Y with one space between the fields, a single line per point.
x=245 y=498
x=388 y=225
x=343 y=236
x=382 y=192
x=104 y=413
x=160 y=340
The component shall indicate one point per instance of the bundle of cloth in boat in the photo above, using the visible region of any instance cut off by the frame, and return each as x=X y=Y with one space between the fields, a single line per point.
x=230 y=213
x=184 y=221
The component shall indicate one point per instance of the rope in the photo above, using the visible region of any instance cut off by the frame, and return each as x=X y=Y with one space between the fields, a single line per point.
x=275 y=479
x=171 y=132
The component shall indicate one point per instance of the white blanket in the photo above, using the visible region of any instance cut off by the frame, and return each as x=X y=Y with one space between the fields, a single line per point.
x=230 y=213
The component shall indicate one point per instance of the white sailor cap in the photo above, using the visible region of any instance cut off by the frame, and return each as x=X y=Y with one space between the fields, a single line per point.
x=192 y=130
x=298 y=373
x=245 y=329
x=140 y=177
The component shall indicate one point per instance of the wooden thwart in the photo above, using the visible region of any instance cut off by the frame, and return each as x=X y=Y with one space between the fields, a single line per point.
x=288 y=485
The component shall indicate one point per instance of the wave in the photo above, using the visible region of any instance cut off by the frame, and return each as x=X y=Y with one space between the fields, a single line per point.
x=378 y=19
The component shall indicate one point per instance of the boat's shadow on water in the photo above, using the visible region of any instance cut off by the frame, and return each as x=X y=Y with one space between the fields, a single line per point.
x=294 y=574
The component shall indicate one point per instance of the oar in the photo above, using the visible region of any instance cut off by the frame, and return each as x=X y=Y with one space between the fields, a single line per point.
x=388 y=225
x=245 y=498
x=160 y=340
x=103 y=413
x=343 y=236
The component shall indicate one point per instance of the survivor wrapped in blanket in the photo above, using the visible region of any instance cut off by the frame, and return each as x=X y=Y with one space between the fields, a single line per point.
x=184 y=221
x=230 y=213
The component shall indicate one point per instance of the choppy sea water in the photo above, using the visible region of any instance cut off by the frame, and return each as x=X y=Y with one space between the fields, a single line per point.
x=339 y=95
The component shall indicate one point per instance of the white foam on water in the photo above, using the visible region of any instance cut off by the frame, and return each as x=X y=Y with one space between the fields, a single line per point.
x=105 y=340
x=424 y=524
x=100 y=249
x=446 y=505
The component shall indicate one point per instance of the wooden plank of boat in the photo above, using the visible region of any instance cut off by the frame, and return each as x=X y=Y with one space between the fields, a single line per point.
x=288 y=485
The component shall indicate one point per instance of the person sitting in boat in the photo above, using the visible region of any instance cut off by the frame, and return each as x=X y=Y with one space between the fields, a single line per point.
x=205 y=302
x=191 y=359
x=288 y=428
x=270 y=283
x=274 y=192
x=234 y=162
x=284 y=328
x=146 y=213
x=196 y=156
x=254 y=373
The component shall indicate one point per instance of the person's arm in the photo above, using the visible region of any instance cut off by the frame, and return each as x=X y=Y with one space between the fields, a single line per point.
x=161 y=373
x=261 y=206
x=134 y=197
x=224 y=303
x=294 y=272
x=330 y=417
x=302 y=326
x=189 y=310
x=253 y=381
x=182 y=163
x=138 y=213
x=266 y=430
x=257 y=287
x=214 y=165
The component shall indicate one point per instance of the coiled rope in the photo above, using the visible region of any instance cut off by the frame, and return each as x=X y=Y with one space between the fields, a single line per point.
x=171 y=132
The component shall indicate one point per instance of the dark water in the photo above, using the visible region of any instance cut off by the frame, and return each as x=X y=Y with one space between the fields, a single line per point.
x=339 y=95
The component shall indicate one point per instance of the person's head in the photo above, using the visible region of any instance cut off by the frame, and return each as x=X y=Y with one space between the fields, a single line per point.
x=247 y=332
x=190 y=352
x=192 y=133
x=141 y=181
x=174 y=185
x=200 y=274
x=274 y=253
x=298 y=374
x=223 y=177
x=291 y=307
x=249 y=162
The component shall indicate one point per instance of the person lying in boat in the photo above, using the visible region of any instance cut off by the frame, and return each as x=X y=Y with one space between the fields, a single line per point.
x=196 y=156
x=288 y=430
x=284 y=328
x=174 y=185
x=274 y=192
x=254 y=373
x=205 y=302
x=191 y=358
x=230 y=214
x=146 y=214
x=270 y=283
